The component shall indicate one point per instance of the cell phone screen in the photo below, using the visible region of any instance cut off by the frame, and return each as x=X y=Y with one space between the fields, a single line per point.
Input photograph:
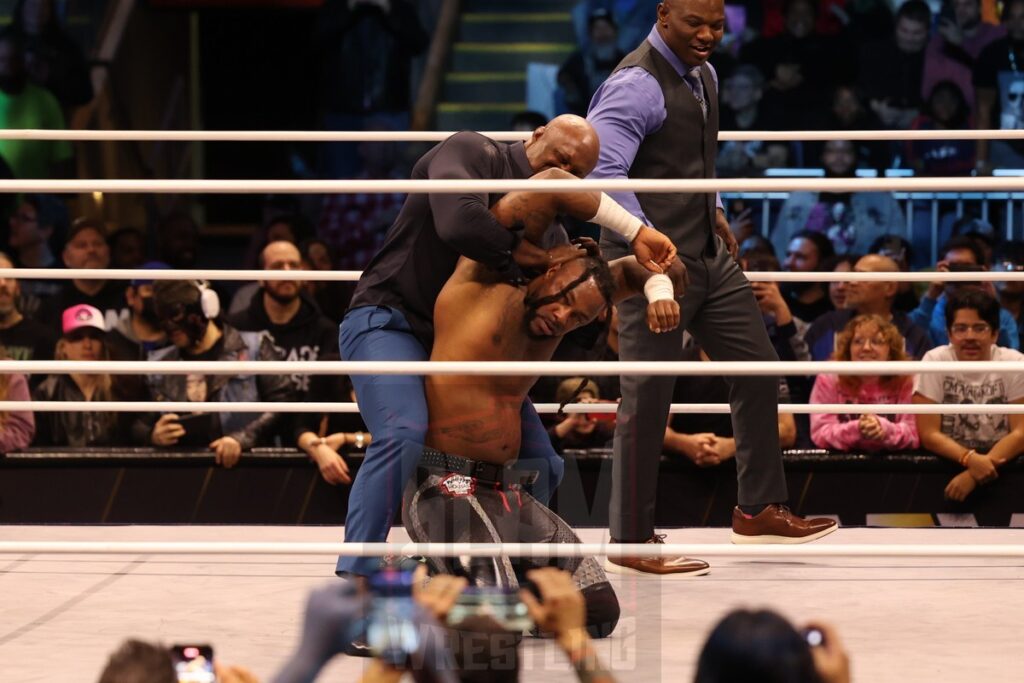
x=193 y=663
x=503 y=606
x=814 y=637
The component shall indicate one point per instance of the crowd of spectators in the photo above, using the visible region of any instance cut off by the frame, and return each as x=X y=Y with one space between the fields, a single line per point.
x=843 y=65
x=860 y=321
x=840 y=65
x=798 y=64
x=166 y=321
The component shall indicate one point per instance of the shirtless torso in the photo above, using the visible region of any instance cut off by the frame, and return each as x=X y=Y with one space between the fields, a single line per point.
x=480 y=318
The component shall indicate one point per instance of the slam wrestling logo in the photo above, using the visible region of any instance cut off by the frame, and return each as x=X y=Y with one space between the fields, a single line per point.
x=456 y=485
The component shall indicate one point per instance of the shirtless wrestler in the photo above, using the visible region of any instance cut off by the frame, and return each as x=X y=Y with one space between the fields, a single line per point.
x=467 y=488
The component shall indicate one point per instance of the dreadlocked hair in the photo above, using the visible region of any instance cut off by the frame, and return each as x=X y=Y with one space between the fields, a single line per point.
x=597 y=269
x=602 y=274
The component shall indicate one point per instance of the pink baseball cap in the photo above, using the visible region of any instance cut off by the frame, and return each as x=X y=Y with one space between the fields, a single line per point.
x=82 y=315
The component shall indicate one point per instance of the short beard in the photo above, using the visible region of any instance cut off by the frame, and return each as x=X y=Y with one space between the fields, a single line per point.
x=282 y=298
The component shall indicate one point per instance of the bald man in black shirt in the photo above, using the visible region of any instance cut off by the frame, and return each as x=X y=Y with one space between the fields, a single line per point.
x=391 y=315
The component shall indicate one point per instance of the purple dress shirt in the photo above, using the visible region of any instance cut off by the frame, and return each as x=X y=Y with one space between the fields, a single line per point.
x=628 y=107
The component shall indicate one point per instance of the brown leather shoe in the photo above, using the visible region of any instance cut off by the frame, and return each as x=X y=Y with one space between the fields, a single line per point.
x=776 y=524
x=665 y=567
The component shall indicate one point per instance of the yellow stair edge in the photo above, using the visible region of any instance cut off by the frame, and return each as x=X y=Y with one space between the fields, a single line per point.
x=461 y=107
x=485 y=76
x=515 y=47
x=521 y=17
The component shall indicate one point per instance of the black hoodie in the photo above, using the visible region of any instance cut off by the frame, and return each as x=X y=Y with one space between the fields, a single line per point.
x=308 y=336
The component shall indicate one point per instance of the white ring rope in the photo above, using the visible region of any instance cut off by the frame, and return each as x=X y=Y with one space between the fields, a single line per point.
x=503 y=136
x=820 y=550
x=507 y=368
x=353 y=275
x=216 y=275
x=937 y=184
x=543 y=408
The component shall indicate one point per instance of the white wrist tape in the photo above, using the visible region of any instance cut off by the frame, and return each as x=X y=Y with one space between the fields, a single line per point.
x=659 y=288
x=612 y=216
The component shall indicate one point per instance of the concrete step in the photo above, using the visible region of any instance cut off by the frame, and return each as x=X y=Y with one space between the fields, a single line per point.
x=536 y=27
x=484 y=86
x=476 y=115
x=518 y=5
x=467 y=56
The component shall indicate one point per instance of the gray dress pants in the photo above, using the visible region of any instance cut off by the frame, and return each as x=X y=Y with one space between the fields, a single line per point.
x=720 y=311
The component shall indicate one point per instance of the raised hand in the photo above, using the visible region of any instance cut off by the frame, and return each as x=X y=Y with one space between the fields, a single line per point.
x=653 y=250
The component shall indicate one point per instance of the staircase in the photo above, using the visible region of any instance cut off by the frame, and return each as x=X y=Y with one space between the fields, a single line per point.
x=486 y=82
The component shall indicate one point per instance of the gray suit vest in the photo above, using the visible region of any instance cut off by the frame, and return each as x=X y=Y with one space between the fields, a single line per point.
x=685 y=147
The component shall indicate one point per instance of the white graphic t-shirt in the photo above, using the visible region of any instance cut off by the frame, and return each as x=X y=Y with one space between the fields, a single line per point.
x=973 y=431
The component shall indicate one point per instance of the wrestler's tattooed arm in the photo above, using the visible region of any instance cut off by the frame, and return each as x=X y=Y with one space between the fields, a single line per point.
x=630 y=277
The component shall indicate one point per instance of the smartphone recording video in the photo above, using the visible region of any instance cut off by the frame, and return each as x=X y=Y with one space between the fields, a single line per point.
x=193 y=663
x=504 y=606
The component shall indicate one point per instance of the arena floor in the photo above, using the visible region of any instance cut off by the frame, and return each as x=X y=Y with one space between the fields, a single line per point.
x=902 y=620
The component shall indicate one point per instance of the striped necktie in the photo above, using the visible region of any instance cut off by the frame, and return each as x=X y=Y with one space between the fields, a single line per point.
x=692 y=79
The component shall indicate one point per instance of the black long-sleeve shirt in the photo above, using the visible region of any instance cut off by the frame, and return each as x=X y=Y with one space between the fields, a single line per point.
x=433 y=230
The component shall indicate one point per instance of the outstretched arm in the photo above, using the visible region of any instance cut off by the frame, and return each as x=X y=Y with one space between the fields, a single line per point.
x=534 y=212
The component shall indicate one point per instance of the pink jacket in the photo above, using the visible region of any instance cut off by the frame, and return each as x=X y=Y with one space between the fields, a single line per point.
x=841 y=432
x=18 y=426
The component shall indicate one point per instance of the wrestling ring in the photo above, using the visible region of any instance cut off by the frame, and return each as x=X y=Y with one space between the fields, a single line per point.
x=937 y=604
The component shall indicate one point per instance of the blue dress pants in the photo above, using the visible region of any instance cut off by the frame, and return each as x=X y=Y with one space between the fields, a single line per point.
x=394 y=408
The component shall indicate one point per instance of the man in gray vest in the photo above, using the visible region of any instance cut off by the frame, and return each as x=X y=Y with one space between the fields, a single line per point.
x=657 y=117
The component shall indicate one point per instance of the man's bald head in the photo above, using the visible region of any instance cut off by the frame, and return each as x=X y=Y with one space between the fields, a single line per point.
x=873 y=297
x=877 y=263
x=281 y=255
x=278 y=255
x=567 y=142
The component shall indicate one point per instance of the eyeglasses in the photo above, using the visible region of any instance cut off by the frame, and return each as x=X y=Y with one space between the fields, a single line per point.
x=876 y=342
x=960 y=330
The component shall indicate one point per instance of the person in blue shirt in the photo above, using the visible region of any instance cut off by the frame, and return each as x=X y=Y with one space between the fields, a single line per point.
x=959 y=254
